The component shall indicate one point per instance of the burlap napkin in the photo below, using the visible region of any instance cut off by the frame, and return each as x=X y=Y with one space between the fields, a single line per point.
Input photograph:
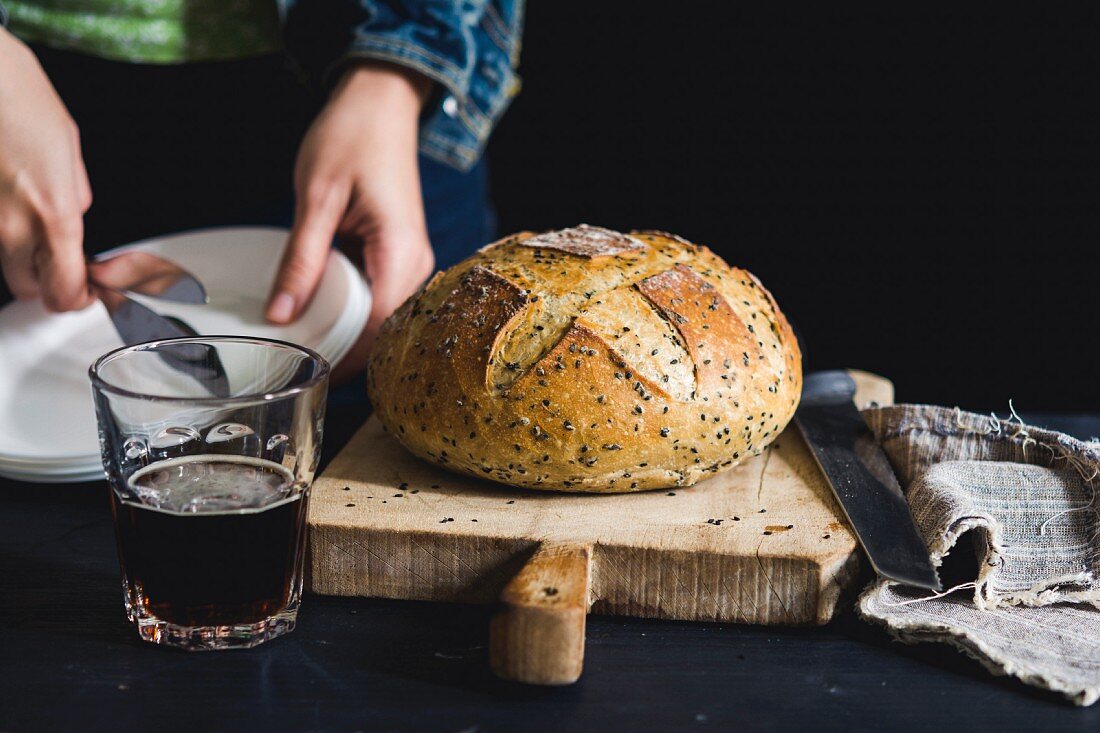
x=1024 y=499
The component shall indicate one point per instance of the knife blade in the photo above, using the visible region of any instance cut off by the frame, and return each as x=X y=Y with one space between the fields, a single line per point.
x=135 y=323
x=115 y=279
x=144 y=273
x=862 y=479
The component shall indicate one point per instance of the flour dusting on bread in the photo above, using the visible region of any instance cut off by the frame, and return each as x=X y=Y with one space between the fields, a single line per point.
x=586 y=241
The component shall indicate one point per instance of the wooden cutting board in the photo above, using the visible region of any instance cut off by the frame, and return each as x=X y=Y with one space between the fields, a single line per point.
x=764 y=543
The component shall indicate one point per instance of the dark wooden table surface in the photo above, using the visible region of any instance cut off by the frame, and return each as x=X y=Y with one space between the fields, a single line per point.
x=70 y=661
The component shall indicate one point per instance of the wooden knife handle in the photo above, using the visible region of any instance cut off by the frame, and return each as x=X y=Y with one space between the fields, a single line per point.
x=538 y=635
x=871 y=388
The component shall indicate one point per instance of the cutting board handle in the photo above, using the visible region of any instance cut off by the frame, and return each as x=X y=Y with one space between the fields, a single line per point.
x=538 y=635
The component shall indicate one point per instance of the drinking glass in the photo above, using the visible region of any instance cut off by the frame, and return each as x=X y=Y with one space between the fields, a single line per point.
x=210 y=445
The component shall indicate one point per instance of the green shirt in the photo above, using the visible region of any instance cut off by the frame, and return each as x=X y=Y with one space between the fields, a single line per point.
x=150 y=31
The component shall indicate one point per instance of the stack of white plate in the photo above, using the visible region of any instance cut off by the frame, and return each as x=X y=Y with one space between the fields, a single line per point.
x=47 y=418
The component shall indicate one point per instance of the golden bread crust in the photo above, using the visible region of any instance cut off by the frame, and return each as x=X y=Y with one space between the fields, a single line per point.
x=588 y=360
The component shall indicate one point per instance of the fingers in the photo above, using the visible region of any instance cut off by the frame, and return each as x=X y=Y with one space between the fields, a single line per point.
x=42 y=255
x=83 y=187
x=395 y=267
x=59 y=262
x=304 y=260
x=17 y=263
x=134 y=270
x=44 y=189
x=80 y=174
x=58 y=258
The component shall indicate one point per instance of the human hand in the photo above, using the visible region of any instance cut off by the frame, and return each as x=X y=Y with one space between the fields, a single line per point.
x=44 y=188
x=357 y=177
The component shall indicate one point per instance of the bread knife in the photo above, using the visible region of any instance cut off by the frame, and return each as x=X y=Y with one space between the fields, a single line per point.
x=862 y=479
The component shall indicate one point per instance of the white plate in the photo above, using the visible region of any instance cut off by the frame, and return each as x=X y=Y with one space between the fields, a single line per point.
x=82 y=465
x=46 y=413
x=36 y=477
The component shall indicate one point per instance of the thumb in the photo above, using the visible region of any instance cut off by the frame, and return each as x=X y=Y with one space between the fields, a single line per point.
x=306 y=254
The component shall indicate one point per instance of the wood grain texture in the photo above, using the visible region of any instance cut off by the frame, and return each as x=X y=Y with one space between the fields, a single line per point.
x=763 y=543
x=538 y=635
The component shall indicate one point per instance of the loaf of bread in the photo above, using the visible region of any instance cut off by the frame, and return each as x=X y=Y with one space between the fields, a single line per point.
x=588 y=360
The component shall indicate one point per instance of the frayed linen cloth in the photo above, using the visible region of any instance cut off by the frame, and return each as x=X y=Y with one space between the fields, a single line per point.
x=1024 y=499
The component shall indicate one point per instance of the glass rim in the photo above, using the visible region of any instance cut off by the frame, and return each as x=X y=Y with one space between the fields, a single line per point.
x=99 y=383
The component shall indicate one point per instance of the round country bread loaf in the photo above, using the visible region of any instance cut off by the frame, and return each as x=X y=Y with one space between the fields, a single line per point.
x=588 y=360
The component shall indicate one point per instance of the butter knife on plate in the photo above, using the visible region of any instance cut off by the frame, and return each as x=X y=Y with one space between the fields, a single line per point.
x=862 y=479
x=116 y=278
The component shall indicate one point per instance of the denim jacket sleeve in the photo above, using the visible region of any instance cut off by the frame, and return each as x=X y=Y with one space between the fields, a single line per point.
x=470 y=48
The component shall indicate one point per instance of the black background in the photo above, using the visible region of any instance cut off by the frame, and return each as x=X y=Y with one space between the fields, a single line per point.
x=917 y=190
